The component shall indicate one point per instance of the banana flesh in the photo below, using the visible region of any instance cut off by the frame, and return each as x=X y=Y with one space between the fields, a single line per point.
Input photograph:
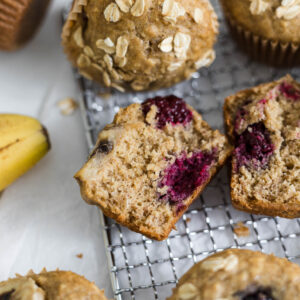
x=23 y=142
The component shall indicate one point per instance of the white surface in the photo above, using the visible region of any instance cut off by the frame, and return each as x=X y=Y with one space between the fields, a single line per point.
x=43 y=221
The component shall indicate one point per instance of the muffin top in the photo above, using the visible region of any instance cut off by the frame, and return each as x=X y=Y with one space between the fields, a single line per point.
x=140 y=44
x=278 y=20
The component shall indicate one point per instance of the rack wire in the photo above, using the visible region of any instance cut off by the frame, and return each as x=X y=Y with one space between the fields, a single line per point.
x=145 y=269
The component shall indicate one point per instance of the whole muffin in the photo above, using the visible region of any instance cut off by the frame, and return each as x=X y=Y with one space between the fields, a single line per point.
x=237 y=274
x=53 y=285
x=140 y=44
x=19 y=21
x=268 y=29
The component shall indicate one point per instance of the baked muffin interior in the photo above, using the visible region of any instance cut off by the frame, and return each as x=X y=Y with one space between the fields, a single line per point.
x=264 y=124
x=150 y=163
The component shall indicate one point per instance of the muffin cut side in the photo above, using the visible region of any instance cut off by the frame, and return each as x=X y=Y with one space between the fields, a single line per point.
x=151 y=163
x=264 y=123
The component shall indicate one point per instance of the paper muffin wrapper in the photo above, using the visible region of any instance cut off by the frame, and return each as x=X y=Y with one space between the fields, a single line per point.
x=268 y=51
x=19 y=20
x=76 y=10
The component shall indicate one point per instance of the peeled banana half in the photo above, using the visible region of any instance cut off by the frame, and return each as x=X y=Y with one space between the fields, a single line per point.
x=23 y=142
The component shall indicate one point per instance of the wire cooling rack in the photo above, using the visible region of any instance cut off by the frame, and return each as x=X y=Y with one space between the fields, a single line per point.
x=145 y=269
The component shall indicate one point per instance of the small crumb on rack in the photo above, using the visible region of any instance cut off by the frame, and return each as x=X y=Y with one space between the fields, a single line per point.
x=241 y=229
x=188 y=220
x=80 y=255
x=67 y=106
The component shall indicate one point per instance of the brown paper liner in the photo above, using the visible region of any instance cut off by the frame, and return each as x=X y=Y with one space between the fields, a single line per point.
x=274 y=53
x=19 y=21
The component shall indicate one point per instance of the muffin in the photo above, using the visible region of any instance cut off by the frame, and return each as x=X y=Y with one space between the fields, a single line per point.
x=267 y=29
x=53 y=285
x=19 y=21
x=142 y=44
x=264 y=125
x=237 y=274
x=151 y=163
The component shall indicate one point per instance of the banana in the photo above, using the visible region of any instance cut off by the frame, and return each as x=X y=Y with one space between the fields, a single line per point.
x=23 y=142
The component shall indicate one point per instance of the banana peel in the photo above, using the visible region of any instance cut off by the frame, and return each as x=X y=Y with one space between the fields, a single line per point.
x=23 y=142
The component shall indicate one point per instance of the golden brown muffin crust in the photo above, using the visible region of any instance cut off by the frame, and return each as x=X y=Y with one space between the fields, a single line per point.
x=234 y=274
x=53 y=285
x=278 y=20
x=140 y=44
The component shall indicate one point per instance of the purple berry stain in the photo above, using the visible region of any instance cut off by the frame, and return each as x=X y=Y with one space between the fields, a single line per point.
x=184 y=176
x=170 y=109
x=289 y=91
x=253 y=146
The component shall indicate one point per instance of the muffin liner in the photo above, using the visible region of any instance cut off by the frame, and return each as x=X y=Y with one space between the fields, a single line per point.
x=264 y=50
x=19 y=20
x=76 y=10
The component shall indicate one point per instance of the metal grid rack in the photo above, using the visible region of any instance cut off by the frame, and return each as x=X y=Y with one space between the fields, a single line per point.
x=146 y=269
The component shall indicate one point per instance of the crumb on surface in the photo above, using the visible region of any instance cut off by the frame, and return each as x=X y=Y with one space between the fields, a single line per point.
x=188 y=220
x=241 y=230
x=67 y=106
x=80 y=255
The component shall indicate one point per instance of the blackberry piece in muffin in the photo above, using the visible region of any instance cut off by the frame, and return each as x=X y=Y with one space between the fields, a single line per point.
x=264 y=124
x=151 y=163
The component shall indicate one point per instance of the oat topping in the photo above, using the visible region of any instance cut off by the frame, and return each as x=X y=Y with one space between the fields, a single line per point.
x=257 y=7
x=187 y=291
x=217 y=263
x=124 y=5
x=118 y=87
x=88 y=51
x=174 y=66
x=114 y=74
x=166 y=45
x=83 y=61
x=206 y=60
x=97 y=67
x=120 y=61
x=112 y=13
x=122 y=46
x=107 y=45
x=181 y=44
x=77 y=36
x=106 y=79
x=198 y=15
x=289 y=9
x=108 y=61
x=110 y=53
x=171 y=10
x=138 y=8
